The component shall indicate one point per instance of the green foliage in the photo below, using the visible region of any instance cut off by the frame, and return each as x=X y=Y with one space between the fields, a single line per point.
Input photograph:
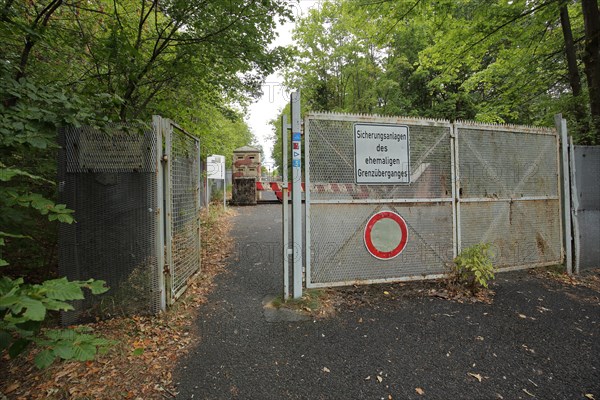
x=311 y=300
x=87 y=64
x=216 y=196
x=72 y=64
x=23 y=308
x=473 y=267
x=490 y=61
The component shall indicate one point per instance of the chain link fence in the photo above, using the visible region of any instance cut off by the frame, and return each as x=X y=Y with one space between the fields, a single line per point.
x=509 y=193
x=116 y=180
x=338 y=209
x=109 y=178
x=469 y=183
x=183 y=207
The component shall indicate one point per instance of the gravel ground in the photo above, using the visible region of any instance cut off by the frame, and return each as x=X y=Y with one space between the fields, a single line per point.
x=538 y=339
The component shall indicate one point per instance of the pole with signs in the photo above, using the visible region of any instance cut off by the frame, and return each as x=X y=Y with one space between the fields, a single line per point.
x=297 y=192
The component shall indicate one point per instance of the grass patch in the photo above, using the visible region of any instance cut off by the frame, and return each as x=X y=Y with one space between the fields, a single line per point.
x=315 y=302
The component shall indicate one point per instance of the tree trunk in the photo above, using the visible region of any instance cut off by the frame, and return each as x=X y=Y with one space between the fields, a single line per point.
x=578 y=107
x=574 y=79
x=591 y=60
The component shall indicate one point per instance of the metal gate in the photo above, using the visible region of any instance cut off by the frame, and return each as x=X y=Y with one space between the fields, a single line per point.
x=182 y=177
x=508 y=193
x=338 y=209
x=135 y=192
x=469 y=183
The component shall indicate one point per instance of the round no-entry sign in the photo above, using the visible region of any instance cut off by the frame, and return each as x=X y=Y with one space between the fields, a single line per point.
x=386 y=235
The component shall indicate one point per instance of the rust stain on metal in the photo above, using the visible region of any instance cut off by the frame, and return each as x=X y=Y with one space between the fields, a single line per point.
x=541 y=243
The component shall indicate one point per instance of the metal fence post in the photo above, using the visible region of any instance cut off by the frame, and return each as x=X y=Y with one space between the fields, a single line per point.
x=168 y=132
x=456 y=189
x=285 y=208
x=198 y=181
x=297 y=192
x=307 y=233
x=561 y=125
x=575 y=206
x=157 y=126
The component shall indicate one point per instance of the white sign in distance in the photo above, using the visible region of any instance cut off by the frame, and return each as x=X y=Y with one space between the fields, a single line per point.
x=215 y=167
x=381 y=154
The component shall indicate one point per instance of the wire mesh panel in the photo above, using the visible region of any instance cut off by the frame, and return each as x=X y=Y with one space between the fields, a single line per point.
x=509 y=193
x=338 y=209
x=183 y=192
x=109 y=178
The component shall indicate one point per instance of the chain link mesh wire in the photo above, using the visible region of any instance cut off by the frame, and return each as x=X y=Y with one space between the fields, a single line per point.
x=338 y=253
x=332 y=161
x=108 y=177
x=185 y=219
x=509 y=193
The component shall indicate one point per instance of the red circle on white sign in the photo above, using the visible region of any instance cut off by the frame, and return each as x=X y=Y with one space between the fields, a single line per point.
x=386 y=235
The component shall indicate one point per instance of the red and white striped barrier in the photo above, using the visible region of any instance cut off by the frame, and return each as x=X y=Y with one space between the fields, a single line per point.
x=356 y=191
x=275 y=187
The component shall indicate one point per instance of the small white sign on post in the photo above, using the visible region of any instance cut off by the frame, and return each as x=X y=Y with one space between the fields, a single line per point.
x=382 y=154
x=215 y=169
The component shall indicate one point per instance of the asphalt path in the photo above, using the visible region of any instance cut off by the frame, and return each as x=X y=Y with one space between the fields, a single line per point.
x=539 y=339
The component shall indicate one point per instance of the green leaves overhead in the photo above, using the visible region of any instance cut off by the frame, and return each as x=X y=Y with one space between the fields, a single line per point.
x=65 y=63
x=491 y=61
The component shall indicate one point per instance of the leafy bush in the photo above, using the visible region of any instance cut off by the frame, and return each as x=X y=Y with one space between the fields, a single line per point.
x=473 y=267
x=23 y=308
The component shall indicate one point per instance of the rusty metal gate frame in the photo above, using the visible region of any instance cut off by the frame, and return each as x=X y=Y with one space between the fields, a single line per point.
x=390 y=201
x=179 y=245
x=456 y=199
x=460 y=200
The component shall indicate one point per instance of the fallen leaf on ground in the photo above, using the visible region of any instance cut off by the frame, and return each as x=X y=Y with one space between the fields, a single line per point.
x=379 y=379
x=522 y=316
x=163 y=338
x=12 y=387
x=529 y=393
x=325 y=369
x=476 y=376
x=367 y=378
x=420 y=391
x=589 y=396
